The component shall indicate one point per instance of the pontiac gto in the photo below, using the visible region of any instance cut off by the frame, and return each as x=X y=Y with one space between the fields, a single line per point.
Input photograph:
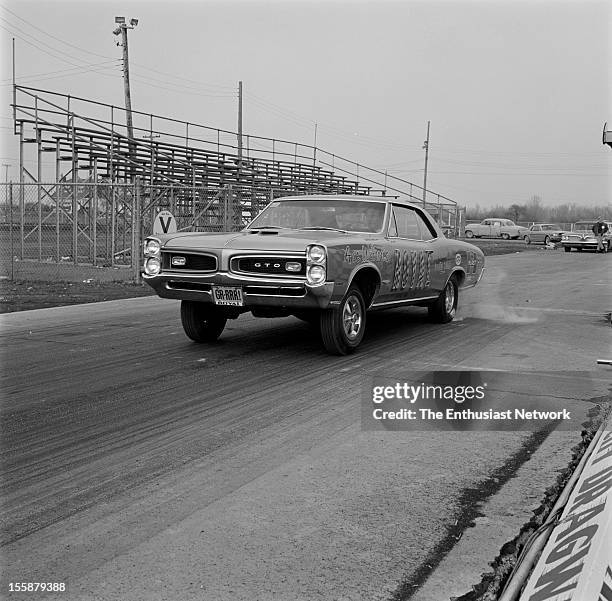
x=325 y=259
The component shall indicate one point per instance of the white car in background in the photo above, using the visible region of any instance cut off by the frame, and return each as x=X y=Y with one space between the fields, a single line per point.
x=495 y=227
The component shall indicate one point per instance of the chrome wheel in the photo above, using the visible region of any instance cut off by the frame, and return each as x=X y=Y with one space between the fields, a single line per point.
x=343 y=327
x=445 y=307
x=352 y=317
x=449 y=298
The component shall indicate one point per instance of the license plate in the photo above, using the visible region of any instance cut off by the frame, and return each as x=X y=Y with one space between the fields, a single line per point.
x=227 y=295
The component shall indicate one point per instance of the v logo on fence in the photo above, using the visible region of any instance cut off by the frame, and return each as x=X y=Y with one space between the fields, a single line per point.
x=164 y=223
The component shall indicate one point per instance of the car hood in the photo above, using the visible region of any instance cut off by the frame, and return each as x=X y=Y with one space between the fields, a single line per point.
x=268 y=240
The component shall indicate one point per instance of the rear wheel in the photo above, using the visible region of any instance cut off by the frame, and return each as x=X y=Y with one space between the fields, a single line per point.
x=343 y=327
x=505 y=236
x=202 y=322
x=445 y=308
x=527 y=240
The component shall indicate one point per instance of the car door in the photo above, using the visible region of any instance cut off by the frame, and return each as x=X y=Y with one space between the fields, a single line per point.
x=484 y=229
x=535 y=233
x=412 y=255
x=495 y=231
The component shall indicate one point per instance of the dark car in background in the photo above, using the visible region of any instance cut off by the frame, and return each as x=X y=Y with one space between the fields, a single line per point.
x=544 y=233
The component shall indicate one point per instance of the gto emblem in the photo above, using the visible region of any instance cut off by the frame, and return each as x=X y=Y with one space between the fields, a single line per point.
x=179 y=261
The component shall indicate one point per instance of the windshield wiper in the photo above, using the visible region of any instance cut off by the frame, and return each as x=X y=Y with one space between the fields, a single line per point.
x=320 y=227
x=268 y=227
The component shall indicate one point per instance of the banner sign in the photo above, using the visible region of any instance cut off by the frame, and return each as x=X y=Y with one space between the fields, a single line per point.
x=576 y=563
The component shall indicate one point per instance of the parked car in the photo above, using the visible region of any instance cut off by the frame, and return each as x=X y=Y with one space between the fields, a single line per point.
x=582 y=237
x=325 y=259
x=495 y=227
x=544 y=233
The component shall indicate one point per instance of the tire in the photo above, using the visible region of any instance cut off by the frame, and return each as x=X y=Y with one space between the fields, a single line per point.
x=547 y=240
x=445 y=308
x=469 y=234
x=527 y=240
x=343 y=327
x=505 y=236
x=202 y=322
x=567 y=249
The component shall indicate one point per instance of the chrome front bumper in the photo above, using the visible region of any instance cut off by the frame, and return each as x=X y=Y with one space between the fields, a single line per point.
x=257 y=291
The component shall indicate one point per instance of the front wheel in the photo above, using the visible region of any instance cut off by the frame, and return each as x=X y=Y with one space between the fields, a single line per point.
x=202 y=322
x=469 y=234
x=342 y=328
x=445 y=308
x=567 y=249
x=547 y=240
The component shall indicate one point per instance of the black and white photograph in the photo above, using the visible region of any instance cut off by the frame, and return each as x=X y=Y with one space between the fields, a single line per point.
x=306 y=300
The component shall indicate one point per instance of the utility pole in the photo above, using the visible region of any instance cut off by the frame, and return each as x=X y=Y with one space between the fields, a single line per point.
x=426 y=147
x=240 y=123
x=122 y=30
x=314 y=152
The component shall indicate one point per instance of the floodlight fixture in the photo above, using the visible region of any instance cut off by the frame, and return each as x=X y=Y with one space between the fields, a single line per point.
x=133 y=22
x=117 y=31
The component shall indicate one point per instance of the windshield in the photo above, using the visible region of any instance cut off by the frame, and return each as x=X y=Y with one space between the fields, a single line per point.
x=343 y=215
x=551 y=227
x=584 y=226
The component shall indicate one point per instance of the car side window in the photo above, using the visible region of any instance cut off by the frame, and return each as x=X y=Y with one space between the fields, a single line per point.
x=392 y=230
x=427 y=231
x=407 y=223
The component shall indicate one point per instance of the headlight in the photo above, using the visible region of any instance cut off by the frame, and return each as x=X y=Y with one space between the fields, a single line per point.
x=152 y=246
x=315 y=274
x=564 y=237
x=315 y=254
x=152 y=266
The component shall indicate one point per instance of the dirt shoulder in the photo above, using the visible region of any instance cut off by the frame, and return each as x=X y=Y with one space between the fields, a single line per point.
x=24 y=295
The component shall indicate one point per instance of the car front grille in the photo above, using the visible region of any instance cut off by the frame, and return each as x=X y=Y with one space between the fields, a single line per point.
x=178 y=261
x=269 y=265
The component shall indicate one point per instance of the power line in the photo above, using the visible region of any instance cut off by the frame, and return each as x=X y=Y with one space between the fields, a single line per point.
x=54 y=37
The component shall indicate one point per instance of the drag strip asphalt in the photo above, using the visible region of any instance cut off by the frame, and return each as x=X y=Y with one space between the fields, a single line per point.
x=139 y=465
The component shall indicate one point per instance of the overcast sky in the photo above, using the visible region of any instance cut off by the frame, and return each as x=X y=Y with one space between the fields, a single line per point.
x=517 y=92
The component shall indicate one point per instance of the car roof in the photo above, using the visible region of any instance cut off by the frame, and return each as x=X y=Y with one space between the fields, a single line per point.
x=351 y=197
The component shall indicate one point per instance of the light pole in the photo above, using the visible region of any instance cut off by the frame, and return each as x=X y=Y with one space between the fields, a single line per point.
x=122 y=30
x=426 y=147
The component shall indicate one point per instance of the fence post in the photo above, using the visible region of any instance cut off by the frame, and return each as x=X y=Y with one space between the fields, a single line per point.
x=94 y=236
x=113 y=224
x=136 y=233
x=226 y=204
x=11 y=229
x=75 y=223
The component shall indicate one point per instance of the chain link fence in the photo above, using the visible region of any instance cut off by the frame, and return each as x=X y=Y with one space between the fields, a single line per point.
x=93 y=231
x=81 y=230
